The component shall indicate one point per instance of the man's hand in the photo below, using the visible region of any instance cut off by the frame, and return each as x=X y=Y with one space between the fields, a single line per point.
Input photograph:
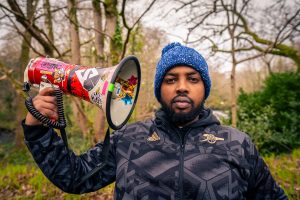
x=45 y=103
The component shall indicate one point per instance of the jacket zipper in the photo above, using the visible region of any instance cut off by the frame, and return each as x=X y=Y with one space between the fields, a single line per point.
x=181 y=164
x=181 y=171
x=181 y=161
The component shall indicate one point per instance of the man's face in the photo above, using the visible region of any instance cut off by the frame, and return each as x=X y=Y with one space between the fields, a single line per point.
x=182 y=94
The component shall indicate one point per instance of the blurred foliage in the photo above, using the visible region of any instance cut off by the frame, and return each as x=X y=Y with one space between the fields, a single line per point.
x=117 y=44
x=7 y=116
x=136 y=40
x=286 y=170
x=271 y=116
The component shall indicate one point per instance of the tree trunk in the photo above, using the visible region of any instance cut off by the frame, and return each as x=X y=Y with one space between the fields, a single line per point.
x=74 y=33
x=23 y=60
x=20 y=109
x=233 y=82
x=81 y=118
x=99 y=37
x=233 y=96
x=111 y=15
x=75 y=59
x=99 y=123
x=48 y=20
x=20 y=113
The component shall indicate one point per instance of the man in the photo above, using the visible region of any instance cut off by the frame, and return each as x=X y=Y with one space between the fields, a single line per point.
x=184 y=153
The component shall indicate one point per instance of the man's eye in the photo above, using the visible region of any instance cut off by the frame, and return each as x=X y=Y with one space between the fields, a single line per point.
x=170 y=80
x=193 y=80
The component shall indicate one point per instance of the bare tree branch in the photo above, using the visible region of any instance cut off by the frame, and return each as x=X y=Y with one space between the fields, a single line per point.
x=22 y=34
x=37 y=33
x=129 y=29
x=285 y=25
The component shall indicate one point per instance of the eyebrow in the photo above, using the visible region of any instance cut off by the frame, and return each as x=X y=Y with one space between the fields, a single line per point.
x=176 y=74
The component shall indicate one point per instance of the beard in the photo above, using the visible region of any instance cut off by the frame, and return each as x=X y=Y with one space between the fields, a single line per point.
x=182 y=118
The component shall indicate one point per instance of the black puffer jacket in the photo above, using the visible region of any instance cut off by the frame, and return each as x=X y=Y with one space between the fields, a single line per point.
x=202 y=161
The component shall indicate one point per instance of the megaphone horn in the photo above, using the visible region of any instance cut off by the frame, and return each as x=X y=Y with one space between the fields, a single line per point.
x=114 y=89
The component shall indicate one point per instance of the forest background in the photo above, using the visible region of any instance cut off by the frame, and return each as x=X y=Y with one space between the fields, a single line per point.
x=252 y=49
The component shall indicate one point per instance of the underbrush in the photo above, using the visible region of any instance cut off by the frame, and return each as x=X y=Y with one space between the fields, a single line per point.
x=285 y=169
x=20 y=177
x=28 y=182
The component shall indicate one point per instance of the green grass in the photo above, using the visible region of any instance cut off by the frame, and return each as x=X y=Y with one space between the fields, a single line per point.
x=20 y=178
x=286 y=170
x=28 y=182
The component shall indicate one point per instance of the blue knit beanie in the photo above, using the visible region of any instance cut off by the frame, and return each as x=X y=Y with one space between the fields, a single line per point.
x=175 y=54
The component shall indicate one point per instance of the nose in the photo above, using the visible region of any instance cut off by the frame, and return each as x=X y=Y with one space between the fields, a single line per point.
x=182 y=87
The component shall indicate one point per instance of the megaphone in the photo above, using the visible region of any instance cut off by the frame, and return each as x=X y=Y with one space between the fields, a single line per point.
x=114 y=90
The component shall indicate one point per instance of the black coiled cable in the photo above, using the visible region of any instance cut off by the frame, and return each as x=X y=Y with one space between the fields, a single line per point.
x=60 y=123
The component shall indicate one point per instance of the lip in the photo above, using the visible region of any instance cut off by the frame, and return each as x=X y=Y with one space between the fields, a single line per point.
x=181 y=99
x=181 y=102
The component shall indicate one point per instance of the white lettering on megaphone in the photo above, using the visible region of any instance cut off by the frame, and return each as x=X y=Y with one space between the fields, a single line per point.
x=85 y=74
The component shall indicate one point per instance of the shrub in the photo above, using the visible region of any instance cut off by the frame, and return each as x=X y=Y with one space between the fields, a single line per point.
x=271 y=116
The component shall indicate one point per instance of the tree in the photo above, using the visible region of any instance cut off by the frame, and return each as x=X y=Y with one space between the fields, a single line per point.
x=75 y=59
x=287 y=30
x=99 y=32
x=112 y=28
x=99 y=124
x=32 y=28
x=23 y=60
x=222 y=26
x=16 y=78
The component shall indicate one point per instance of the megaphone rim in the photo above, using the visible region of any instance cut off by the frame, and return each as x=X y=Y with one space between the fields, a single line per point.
x=109 y=94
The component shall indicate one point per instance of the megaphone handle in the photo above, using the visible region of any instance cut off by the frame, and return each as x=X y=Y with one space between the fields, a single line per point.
x=61 y=124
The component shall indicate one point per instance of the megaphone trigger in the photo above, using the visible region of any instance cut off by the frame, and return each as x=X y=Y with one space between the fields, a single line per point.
x=44 y=85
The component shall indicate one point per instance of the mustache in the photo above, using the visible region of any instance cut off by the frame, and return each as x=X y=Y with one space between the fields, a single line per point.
x=182 y=98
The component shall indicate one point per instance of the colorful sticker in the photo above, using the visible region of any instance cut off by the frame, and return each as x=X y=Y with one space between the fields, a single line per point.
x=58 y=75
x=96 y=98
x=111 y=87
x=49 y=65
x=124 y=89
x=105 y=85
x=127 y=100
x=88 y=78
x=53 y=69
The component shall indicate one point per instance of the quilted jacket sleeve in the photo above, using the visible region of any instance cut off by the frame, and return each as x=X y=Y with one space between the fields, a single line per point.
x=261 y=183
x=64 y=170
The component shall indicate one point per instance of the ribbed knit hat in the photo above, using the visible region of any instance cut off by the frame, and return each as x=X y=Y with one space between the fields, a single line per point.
x=175 y=54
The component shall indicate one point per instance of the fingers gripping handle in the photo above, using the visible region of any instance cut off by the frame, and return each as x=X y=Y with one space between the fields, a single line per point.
x=60 y=123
